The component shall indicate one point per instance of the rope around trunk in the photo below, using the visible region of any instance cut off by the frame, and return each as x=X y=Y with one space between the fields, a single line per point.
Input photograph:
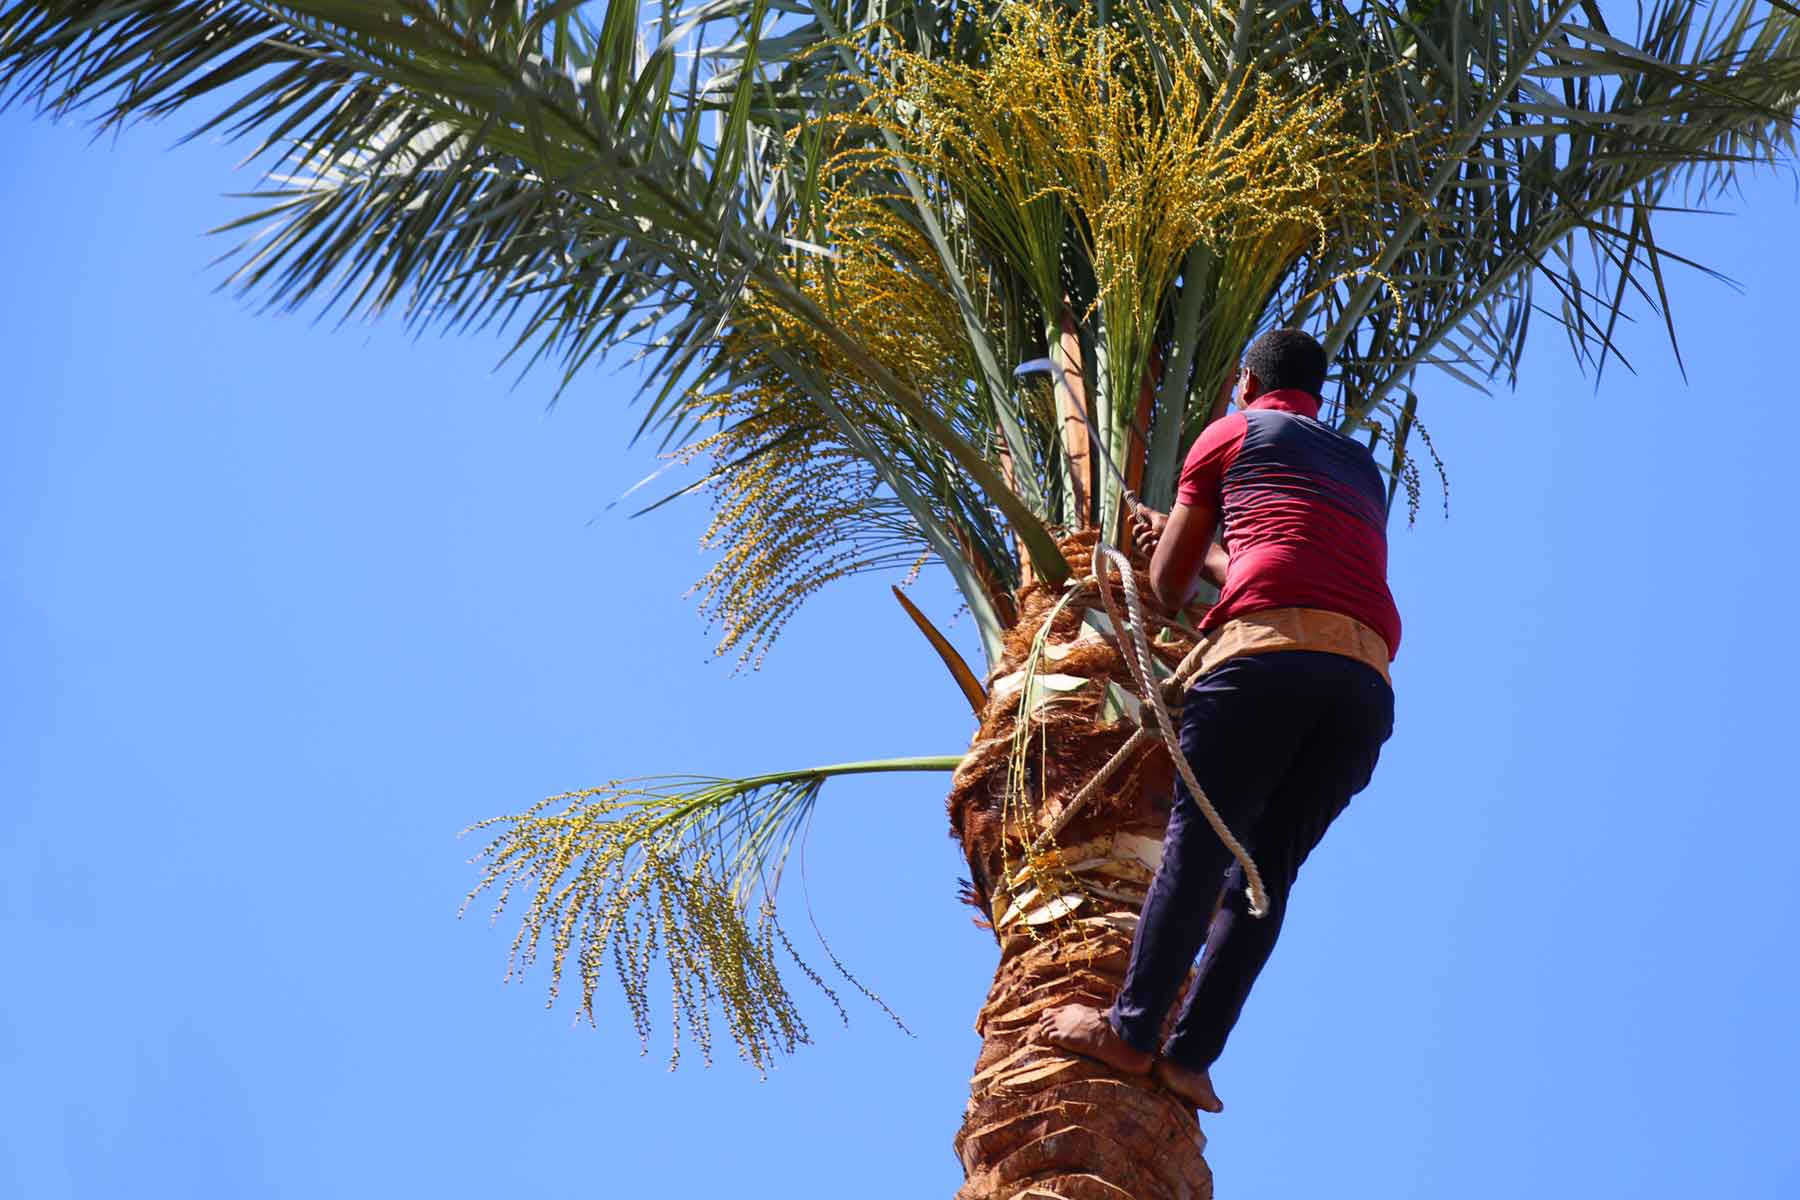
x=1135 y=648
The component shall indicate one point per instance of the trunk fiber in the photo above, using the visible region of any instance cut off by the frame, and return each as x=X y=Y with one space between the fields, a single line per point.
x=1043 y=1124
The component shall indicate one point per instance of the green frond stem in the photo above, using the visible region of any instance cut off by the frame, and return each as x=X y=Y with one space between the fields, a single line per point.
x=669 y=868
x=1397 y=467
x=1449 y=163
x=1175 y=396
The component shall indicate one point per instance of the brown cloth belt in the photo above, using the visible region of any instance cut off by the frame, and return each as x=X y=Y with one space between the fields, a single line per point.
x=1294 y=629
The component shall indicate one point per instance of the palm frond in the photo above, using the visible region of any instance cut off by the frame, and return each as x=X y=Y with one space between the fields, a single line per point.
x=798 y=509
x=680 y=870
x=511 y=164
x=1562 y=142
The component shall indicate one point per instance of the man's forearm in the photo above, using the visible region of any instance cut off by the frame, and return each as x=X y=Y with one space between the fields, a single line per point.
x=1183 y=552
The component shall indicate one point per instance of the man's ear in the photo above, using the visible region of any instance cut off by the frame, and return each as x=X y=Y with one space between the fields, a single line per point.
x=1227 y=393
x=1249 y=388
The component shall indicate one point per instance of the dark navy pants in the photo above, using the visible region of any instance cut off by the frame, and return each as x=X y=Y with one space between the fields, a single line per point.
x=1279 y=742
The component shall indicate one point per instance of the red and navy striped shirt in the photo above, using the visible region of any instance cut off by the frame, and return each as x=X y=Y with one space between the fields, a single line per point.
x=1304 y=514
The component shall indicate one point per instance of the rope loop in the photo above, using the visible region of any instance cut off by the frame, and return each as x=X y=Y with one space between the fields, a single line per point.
x=1135 y=647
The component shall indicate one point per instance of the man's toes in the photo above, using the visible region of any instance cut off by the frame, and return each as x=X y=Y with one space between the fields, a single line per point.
x=1195 y=1087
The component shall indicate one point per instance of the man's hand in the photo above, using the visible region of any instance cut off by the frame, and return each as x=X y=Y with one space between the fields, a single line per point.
x=1181 y=550
x=1147 y=528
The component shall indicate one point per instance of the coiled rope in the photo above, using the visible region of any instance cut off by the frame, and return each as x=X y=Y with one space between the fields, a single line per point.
x=1134 y=646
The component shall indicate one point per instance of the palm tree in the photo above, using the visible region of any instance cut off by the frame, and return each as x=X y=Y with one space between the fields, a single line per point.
x=922 y=284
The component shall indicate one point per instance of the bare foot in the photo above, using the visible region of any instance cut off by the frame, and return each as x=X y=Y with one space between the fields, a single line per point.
x=1086 y=1031
x=1193 y=1086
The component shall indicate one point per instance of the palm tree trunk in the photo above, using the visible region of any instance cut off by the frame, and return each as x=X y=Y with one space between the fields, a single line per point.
x=1043 y=1124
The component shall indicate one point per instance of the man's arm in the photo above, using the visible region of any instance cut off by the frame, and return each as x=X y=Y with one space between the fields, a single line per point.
x=1181 y=545
x=1218 y=562
x=1182 y=551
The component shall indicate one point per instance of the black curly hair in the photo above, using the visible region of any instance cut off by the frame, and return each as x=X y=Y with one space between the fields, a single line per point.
x=1287 y=358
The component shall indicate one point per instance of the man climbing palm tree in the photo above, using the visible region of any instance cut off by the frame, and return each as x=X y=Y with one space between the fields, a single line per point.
x=830 y=229
x=1287 y=719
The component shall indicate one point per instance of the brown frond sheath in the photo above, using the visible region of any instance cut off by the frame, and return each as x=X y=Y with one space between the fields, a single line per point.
x=1139 y=450
x=1137 y=455
x=1006 y=472
x=1072 y=411
x=998 y=594
x=959 y=669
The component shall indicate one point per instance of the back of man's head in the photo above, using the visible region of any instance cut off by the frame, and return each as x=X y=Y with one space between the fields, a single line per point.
x=1287 y=358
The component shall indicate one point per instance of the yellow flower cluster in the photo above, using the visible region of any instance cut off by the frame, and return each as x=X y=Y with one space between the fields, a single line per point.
x=1148 y=152
x=793 y=510
x=796 y=506
x=875 y=275
x=616 y=873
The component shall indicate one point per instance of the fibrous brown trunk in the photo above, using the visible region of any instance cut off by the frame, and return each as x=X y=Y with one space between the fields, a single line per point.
x=1043 y=1124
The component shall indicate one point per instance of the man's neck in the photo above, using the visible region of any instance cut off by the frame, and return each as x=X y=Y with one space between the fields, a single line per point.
x=1291 y=400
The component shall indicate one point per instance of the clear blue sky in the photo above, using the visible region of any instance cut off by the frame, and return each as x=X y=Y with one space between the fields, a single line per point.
x=283 y=607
